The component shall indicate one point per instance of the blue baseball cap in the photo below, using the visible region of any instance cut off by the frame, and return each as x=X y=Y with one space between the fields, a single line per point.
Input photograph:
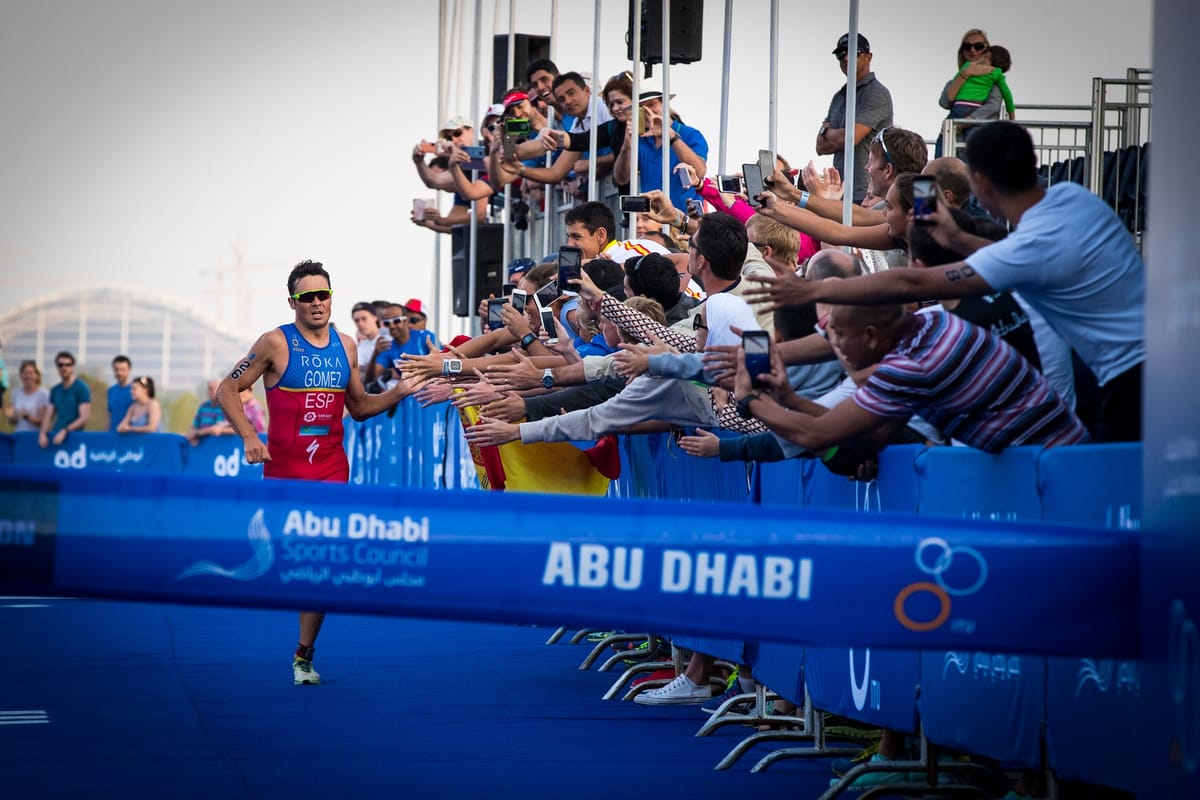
x=519 y=266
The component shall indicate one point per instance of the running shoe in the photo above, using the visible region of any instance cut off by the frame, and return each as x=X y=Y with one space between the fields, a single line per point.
x=841 y=766
x=733 y=690
x=303 y=672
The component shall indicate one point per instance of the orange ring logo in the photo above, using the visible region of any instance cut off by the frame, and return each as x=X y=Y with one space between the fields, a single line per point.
x=922 y=586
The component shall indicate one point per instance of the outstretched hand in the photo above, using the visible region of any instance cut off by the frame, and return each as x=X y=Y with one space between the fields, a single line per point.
x=488 y=431
x=779 y=291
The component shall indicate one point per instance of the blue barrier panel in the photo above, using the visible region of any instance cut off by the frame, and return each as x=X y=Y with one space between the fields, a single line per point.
x=779 y=667
x=416 y=447
x=120 y=452
x=299 y=544
x=639 y=470
x=1092 y=709
x=221 y=457
x=1096 y=484
x=823 y=489
x=987 y=703
x=732 y=650
x=1093 y=704
x=964 y=483
x=780 y=482
x=870 y=685
x=897 y=489
x=6 y=448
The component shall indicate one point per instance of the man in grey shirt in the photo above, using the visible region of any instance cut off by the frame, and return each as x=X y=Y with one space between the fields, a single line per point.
x=873 y=113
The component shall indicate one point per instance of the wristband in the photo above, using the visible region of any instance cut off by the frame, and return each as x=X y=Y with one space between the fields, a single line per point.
x=803 y=200
x=682 y=223
x=743 y=405
x=527 y=340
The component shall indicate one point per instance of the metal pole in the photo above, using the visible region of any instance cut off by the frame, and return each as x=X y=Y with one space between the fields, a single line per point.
x=726 y=56
x=666 y=98
x=595 y=99
x=436 y=300
x=548 y=212
x=1095 y=144
x=773 y=83
x=510 y=68
x=851 y=107
x=473 y=255
x=634 y=114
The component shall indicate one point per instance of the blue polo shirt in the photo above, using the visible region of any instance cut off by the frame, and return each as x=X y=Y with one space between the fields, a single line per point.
x=120 y=398
x=650 y=164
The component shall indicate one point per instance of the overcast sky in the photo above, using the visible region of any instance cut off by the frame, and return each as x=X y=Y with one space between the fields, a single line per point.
x=145 y=142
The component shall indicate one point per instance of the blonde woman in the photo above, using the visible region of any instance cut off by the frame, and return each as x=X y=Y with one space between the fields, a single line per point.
x=30 y=401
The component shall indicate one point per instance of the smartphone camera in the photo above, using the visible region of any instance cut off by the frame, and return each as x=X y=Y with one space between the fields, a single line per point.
x=519 y=298
x=757 y=347
x=695 y=208
x=495 y=304
x=634 y=204
x=730 y=184
x=570 y=261
x=754 y=184
x=924 y=198
x=517 y=127
x=547 y=319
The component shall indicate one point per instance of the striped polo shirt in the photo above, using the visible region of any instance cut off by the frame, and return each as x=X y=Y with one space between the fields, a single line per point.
x=969 y=383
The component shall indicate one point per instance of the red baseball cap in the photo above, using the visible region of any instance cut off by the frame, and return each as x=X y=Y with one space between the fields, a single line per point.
x=514 y=97
x=415 y=306
x=457 y=341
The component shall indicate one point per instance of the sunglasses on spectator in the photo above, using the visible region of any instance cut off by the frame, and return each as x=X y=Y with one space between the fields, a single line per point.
x=395 y=320
x=977 y=46
x=883 y=143
x=62 y=364
x=413 y=320
x=453 y=133
x=840 y=54
x=313 y=294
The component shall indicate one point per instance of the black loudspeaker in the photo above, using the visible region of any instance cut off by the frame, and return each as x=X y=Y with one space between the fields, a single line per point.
x=687 y=31
x=489 y=268
x=526 y=48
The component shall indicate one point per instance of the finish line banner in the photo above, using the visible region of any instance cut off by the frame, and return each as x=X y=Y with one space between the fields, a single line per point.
x=775 y=574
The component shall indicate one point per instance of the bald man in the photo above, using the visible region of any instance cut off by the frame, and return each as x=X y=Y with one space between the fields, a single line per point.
x=962 y=379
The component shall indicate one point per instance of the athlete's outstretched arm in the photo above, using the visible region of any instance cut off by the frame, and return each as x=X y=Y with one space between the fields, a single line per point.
x=362 y=405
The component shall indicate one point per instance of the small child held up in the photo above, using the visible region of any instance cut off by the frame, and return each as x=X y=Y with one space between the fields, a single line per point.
x=976 y=89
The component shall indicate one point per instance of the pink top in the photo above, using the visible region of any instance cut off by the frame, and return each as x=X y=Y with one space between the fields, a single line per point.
x=743 y=211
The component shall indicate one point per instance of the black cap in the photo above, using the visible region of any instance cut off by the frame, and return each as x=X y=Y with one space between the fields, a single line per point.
x=843 y=44
x=363 y=305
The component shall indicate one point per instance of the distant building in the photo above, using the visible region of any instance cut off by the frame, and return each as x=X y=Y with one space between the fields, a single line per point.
x=165 y=338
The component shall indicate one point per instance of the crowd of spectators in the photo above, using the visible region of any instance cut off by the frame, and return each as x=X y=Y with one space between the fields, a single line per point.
x=996 y=312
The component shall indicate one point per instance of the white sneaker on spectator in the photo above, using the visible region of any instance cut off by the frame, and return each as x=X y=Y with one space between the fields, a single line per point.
x=681 y=691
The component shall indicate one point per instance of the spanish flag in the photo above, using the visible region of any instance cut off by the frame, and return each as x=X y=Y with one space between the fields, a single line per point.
x=548 y=467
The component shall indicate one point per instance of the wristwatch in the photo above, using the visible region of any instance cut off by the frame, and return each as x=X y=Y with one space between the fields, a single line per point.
x=548 y=378
x=451 y=366
x=528 y=339
x=743 y=405
x=824 y=131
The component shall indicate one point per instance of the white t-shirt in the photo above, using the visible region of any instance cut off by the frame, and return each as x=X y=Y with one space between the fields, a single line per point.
x=29 y=404
x=1073 y=261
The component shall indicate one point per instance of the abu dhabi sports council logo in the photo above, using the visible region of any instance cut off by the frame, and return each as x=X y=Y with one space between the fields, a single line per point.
x=1101 y=673
x=256 y=567
x=958 y=661
x=935 y=557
